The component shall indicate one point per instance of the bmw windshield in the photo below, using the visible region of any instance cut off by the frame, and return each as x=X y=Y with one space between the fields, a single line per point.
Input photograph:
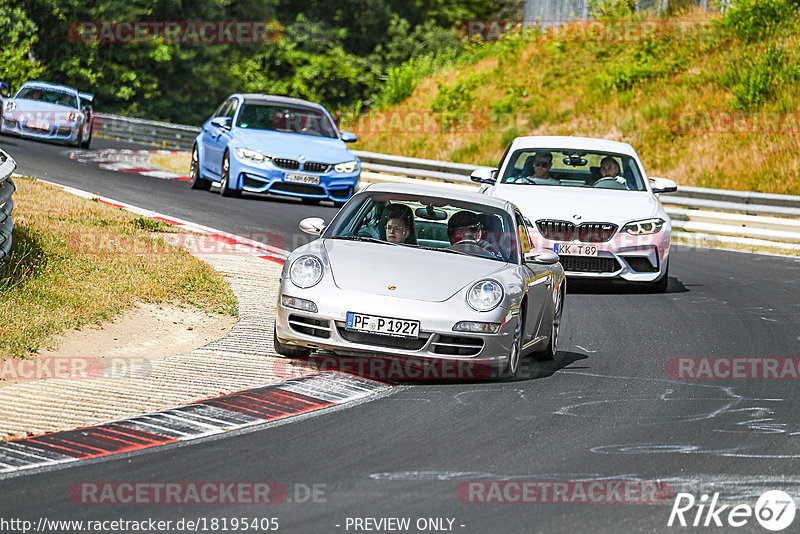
x=573 y=168
x=285 y=118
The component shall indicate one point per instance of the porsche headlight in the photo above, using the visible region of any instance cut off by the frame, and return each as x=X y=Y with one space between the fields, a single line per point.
x=647 y=226
x=73 y=116
x=306 y=271
x=9 y=105
x=485 y=295
x=348 y=166
x=253 y=155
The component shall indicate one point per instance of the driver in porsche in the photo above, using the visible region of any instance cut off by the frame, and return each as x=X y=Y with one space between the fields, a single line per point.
x=465 y=227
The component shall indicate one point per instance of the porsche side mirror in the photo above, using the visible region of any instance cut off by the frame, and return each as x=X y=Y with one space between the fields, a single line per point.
x=663 y=185
x=544 y=258
x=484 y=175
x=312 y=225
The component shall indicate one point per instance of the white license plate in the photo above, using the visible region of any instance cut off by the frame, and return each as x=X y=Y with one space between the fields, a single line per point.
x=302 y=178
x=388 y=326
x=37 y=125
x=575 y=249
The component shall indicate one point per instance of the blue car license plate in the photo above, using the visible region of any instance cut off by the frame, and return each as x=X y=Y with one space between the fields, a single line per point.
x=301 y=178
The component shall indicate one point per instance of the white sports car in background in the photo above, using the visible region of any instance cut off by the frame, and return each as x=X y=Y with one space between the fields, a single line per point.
x=590 y=201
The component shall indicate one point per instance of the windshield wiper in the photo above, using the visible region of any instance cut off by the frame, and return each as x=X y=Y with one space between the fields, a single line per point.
x=363 y=238
x=449 y=250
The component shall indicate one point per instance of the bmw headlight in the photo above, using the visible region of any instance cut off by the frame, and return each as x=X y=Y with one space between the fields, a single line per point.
x=348 y=166
x=306 y=271
x=74 y=116
x=252 y=155
x=9 y=105
x=485 y=295
x=647 y=226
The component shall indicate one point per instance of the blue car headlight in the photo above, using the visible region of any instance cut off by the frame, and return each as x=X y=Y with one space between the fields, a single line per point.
x=74 y=116
x=9 y=105
x=347 y=166
x=306 y=271
x=253 y=156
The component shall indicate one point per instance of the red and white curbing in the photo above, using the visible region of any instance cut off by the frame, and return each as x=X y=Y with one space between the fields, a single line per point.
x=124 y=160
x=244 y=409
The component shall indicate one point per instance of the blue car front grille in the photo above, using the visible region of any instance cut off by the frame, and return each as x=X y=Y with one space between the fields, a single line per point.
x=291 y=164
x=315 y=166
x=300 y=189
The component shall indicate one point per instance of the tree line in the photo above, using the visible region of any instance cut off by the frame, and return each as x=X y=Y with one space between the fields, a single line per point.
x=336 y=52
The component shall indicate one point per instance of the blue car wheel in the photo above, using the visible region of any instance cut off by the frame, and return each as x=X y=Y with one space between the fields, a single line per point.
x=196 y=181
x=224 y=184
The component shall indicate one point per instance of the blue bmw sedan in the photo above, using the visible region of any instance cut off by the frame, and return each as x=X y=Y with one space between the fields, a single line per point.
x=271 y=144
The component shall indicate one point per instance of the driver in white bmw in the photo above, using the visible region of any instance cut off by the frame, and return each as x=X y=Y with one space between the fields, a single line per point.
x=609 y=168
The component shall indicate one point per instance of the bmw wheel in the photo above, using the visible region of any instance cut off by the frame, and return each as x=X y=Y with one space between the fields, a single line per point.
x=195 y=180
x=660 y=285
x=224 y=184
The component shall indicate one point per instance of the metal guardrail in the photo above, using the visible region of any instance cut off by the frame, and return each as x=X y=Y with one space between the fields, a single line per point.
x=741 y=217
x=7 y=166
x=163 y=134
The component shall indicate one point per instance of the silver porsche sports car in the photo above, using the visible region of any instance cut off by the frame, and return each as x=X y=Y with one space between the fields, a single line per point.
x=423 y=273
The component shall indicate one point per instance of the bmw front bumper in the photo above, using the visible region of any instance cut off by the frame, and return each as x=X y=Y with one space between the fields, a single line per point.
x=268 y=178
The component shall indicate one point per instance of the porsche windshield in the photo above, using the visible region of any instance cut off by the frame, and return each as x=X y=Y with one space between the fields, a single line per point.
x=283 y=118
x=573 y=168
x=48 y=95
x=429 y=222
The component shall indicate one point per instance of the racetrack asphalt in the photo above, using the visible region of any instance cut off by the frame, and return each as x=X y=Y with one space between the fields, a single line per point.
x=605 y=410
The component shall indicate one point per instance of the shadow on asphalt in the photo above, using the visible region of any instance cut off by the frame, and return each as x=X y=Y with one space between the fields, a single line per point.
x=618 y=287
x=419 y=371
x=532 y=369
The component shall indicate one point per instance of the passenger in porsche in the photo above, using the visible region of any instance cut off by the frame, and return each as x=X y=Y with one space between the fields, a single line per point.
x=400 y=224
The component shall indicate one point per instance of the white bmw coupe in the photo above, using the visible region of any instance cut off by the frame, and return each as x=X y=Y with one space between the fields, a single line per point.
x=590 y=201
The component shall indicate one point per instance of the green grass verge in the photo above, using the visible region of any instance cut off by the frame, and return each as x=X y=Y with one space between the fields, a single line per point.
x=76 y=262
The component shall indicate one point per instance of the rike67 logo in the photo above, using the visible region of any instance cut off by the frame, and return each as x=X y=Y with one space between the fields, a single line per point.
x=774 y=510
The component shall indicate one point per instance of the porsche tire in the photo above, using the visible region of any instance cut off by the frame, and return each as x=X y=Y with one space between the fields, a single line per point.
x=287 y=351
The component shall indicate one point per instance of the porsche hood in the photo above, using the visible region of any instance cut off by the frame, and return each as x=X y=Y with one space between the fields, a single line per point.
x=404 y=272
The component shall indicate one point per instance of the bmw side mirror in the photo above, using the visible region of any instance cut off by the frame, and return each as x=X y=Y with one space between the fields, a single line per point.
x=663 y=185
x=348 y=137
x=544 y=258
x=312 y=225
x=222 y=122
x=484 y=175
